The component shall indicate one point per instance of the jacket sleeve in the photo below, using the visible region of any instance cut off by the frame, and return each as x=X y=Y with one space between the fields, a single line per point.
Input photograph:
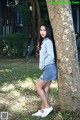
x=50 y=51
x=42 y=58
x=41 y=65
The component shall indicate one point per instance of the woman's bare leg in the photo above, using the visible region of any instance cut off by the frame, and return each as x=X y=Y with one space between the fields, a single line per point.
x=39 y=88
x=46 y=90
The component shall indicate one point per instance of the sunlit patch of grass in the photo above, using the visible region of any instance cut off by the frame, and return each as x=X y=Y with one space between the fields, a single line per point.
x=5 y=70
x=25 y=84
x=17 y=79
x=7 y=87
x=18 y=70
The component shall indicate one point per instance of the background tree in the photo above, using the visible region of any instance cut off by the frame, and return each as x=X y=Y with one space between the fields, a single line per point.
x=68 y=68
x=36 y=18
x=43 y=11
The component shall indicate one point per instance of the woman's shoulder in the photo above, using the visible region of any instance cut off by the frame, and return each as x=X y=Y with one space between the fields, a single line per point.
x=48 y=40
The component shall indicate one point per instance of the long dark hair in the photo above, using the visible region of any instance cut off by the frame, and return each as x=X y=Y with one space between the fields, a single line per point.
x=49 y=34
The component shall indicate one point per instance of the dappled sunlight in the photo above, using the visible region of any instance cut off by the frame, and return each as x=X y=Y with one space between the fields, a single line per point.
x=5 y=70
x=19 y=104
x=16 y=101
x=4 y=101
x=7 y=87
x=20 y=95
x=54 y=84
x=15 y=97
x=17 y=91
x=25 y=84
x=14 y=68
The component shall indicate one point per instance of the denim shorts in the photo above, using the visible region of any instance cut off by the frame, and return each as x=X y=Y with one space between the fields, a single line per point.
x=50 y=72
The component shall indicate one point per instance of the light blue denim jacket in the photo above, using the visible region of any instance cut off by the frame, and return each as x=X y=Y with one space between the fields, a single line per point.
x=46 y=53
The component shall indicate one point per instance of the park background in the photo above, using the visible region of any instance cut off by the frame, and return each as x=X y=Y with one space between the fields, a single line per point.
x=19 y=23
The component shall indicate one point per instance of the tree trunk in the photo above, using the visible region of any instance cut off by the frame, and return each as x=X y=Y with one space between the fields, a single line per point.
x=33 y=21
x=38 y=16
x=35 y=24
x=68 y=68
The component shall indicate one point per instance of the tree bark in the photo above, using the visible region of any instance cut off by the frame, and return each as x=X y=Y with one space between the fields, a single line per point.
x=38 y=13
x=33 y=21
x=67 y=60
x=35 y=24
x=38 y=16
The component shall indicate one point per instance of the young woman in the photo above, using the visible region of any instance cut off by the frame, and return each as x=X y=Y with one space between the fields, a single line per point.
x=47 y=63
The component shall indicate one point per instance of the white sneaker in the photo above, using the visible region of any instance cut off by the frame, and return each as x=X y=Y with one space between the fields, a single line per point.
x=39 y=113
x=46 y=111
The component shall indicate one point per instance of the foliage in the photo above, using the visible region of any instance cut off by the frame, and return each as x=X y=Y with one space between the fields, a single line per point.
x=26 y=15
x=1 y=44
x=25 y=12
x=15 y=43
x=43 y=10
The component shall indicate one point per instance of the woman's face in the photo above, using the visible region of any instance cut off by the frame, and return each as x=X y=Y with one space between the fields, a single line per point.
x=43 y=31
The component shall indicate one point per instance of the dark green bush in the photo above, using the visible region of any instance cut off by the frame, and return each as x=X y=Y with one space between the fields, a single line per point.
x=15 y=43
x=1 y=45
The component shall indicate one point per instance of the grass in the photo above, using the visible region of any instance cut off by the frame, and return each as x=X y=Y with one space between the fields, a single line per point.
x=18 y=96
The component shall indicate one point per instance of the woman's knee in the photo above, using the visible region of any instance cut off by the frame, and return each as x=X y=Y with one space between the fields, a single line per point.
x=40 y=85
x=37 y=87
x=45 y=89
